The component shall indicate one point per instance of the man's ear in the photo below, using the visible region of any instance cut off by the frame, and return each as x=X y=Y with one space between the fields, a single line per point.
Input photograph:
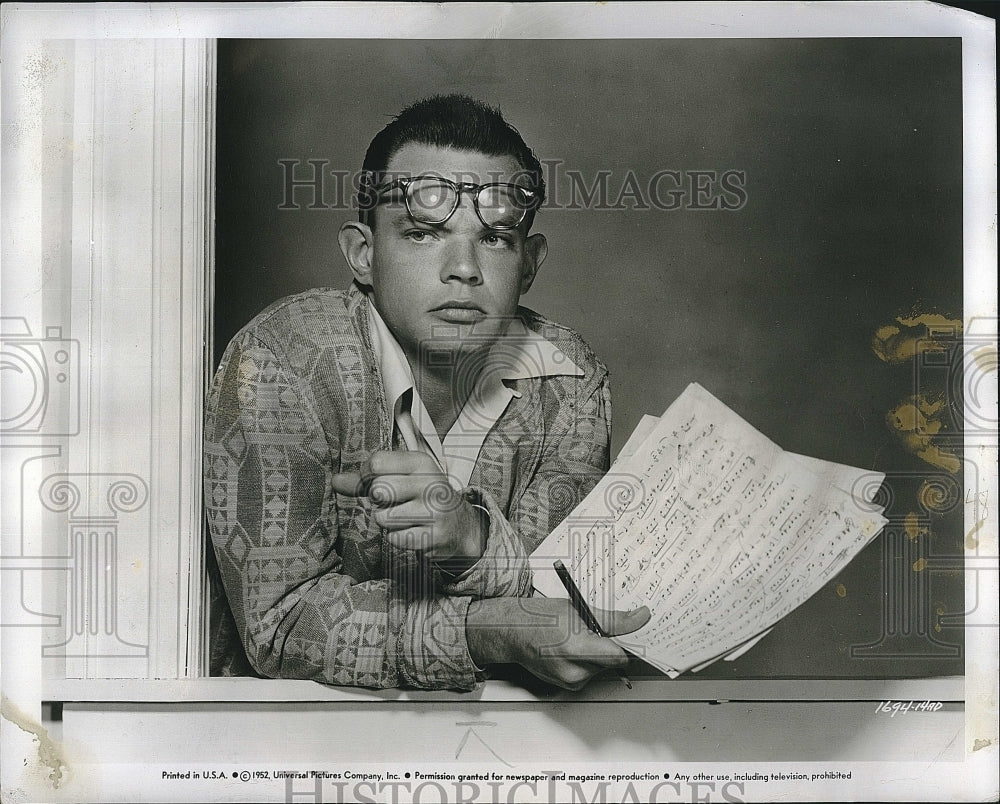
x=357 y=243
x=535 y=249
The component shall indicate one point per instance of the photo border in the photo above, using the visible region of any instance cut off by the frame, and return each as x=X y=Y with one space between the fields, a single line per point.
x=23 y=689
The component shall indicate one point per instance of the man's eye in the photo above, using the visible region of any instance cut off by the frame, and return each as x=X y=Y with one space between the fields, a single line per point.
x=417 y=235
x=497 y=240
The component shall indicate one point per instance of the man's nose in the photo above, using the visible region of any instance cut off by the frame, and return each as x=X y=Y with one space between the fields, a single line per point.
x=462 y=261
x=461 y=254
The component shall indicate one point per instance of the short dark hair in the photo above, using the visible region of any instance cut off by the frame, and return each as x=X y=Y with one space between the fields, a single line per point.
x=450 y=121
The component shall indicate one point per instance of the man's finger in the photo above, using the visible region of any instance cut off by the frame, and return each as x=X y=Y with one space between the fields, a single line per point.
x=612 y=660
x=410 y=514
x=397 y=462
x=603 y=653
x=420 y=538
x=572 y=675
x=585 y=649
x=349 y=484
x=392 y=490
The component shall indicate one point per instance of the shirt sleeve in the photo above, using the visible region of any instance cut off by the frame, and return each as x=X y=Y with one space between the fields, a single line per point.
x=272 y=515
x=575 y=457
x=571 y=465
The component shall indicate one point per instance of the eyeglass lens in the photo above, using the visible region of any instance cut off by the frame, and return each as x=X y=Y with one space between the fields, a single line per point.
x=499 y=206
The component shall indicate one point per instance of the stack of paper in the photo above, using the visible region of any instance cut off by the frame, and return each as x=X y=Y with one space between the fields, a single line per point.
x=715 y=528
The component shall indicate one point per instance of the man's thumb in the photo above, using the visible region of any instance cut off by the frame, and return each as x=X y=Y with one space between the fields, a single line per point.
x=625 y=622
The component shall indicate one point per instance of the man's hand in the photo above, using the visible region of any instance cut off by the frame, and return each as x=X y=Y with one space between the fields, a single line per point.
x=416 y=505
x=548 y=638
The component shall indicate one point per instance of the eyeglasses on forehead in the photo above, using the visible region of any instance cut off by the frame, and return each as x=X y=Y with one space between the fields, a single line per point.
x=434 y=199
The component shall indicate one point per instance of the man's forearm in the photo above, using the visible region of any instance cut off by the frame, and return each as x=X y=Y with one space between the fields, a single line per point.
x=545 y=636
x=487 y=628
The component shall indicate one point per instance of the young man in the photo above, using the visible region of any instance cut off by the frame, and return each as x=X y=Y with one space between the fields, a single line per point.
x=380 y=462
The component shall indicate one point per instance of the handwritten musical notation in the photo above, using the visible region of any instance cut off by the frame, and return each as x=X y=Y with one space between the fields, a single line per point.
x=714 y=527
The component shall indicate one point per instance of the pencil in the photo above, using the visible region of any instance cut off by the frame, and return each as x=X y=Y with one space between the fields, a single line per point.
x=581 y=607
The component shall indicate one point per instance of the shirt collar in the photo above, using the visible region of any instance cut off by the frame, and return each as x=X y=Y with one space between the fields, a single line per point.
x=523 y=353
x=397 y=378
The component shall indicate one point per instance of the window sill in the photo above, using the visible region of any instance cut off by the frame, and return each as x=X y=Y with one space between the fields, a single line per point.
x=252 y=690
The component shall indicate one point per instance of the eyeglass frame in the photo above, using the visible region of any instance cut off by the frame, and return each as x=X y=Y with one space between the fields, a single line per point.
x=379 y=191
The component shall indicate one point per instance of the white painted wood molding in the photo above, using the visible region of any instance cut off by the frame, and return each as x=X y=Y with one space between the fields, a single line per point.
x=112 y=182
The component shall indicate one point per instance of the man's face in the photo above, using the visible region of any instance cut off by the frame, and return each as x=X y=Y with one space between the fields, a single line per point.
x=459 y=275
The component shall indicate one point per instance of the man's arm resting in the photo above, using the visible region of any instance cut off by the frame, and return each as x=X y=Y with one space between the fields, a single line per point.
x=547 y=638
x=274 y=524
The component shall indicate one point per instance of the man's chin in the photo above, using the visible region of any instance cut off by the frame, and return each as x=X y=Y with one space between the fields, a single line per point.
x=462 y=350
x=466 y=333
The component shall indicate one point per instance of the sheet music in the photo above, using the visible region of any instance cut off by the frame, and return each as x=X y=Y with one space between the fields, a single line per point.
x=714 y=527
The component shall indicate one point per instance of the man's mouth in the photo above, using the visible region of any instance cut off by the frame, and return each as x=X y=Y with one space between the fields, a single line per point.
x=459 y=312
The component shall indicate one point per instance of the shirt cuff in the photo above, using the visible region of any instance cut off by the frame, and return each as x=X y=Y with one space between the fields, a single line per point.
x=502 y=570
x=432 y=650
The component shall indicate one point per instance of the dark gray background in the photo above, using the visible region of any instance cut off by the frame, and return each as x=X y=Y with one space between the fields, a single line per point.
x=852 y=150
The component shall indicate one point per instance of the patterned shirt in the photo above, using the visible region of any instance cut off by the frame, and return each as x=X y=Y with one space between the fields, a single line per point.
x=314 y=589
